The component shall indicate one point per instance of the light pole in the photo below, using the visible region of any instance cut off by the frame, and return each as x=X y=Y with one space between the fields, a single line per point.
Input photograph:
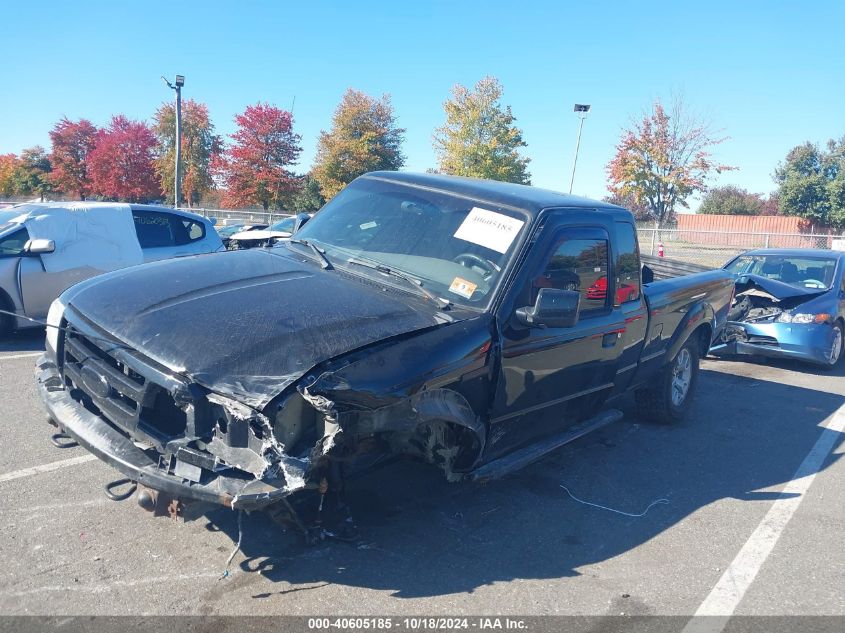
x=177 y=86
x=582 y=110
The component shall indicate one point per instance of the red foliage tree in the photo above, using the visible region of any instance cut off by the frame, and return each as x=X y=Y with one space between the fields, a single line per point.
x=72 y=145
x=121 y=163
x=256 y=165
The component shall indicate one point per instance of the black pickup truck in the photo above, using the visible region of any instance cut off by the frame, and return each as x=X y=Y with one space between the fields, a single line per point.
x=474 y=324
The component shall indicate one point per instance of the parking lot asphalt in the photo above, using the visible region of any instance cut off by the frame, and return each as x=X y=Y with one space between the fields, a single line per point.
x=752 y=521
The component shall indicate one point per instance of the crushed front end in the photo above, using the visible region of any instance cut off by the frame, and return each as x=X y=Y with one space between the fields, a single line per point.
x=770 y=319
x=173 y=436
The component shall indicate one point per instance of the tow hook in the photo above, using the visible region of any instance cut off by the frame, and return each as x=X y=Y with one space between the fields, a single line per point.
x=63 y=440
x=120 y=496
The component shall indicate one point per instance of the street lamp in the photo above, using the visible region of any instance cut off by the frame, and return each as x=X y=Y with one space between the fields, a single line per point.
x=582 y=110
x=177 y=86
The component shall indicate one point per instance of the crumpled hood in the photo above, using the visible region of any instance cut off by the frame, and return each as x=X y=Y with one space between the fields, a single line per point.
x=777 y=289
x=244 y=323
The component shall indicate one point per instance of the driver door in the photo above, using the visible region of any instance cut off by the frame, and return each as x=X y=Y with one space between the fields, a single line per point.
x=552 y=377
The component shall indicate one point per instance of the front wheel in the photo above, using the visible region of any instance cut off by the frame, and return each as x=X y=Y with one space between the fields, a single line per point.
x=834 y=354
x=669 y=395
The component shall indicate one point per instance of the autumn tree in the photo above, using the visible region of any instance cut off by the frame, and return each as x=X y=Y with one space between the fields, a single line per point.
x=479 y=138
x=812 y=183
x=731 y=200
x=257 y=165
x=121 y=163
x=663 y=159
x=200 y=148
x=8 y=165
x=364 y=137
x=72 y=145
x=32 y=173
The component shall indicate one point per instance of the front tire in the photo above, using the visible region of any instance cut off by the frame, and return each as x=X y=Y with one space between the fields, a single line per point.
x=669 y=395
x=835 y=354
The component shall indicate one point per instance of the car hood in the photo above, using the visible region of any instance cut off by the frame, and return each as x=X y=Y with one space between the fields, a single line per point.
x=246 y=324
x=778 y=289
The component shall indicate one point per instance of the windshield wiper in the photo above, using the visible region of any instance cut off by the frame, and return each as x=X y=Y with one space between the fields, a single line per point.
x=443 y=304
x=319 y=252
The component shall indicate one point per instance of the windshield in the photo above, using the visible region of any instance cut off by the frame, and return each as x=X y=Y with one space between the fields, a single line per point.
x=455 y=247
x=802 y=272
x=229 y=230
x=285 y=225
x=6 y=218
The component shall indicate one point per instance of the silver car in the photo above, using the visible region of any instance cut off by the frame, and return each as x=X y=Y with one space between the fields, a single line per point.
x=46 y=248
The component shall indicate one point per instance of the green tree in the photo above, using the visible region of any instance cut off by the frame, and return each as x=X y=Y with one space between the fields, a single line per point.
x=812 y=183
x=201 y=148
x=731 y=200
x=479 y=138
x=308 y=197
x=32 y=174
x=364 y=137
x=663 y=159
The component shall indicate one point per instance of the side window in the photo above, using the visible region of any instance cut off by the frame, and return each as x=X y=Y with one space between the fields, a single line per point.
x=154 y=229
x=13 y=244
x=186 y=231
x=627 y=265
x=579 y=261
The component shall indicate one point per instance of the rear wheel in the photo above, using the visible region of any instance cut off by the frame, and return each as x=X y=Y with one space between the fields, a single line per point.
x=669 y=396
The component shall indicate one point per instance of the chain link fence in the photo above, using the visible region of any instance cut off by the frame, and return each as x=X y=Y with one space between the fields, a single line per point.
x=224 y=217
x=714 y=248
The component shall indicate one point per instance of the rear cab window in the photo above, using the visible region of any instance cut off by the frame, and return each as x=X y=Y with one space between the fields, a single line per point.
x=628 y=276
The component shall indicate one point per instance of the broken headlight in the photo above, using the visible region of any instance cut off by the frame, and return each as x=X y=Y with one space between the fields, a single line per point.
x=802 y=318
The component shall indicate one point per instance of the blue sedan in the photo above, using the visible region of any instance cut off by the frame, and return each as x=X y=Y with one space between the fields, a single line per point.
x=789 y=303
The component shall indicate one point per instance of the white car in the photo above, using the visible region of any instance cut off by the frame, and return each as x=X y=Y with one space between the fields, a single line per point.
x=280 y=230
x=46 y=248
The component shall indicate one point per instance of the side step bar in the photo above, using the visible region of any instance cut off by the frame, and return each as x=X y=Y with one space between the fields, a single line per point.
x=521 y=458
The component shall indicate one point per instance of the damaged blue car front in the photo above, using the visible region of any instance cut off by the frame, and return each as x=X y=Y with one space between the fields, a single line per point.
x=788 y=304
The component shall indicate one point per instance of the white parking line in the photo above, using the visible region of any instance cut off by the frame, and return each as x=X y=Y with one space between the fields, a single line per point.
x=729 y=591
x=14 y=356
x=46 y=468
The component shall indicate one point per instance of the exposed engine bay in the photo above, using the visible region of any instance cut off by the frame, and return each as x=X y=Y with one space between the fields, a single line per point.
x=762 y=300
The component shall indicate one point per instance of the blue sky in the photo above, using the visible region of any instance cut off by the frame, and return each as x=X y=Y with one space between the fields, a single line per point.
x=770 y=74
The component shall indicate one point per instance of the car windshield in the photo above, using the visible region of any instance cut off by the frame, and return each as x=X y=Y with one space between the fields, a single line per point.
x=285 y=225
x=799 y=271
x=229 y=230
x=6 y=218
x=454 y=247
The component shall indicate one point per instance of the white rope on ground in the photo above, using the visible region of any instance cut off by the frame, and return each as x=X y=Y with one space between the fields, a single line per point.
x=627 y=514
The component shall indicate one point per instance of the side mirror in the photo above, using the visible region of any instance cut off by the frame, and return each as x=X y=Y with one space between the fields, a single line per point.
x=553 y=308
x=301 y=219
x=40 y=246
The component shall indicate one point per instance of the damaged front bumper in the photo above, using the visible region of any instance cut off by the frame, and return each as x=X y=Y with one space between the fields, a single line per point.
x=230 y=487
x=805 y=342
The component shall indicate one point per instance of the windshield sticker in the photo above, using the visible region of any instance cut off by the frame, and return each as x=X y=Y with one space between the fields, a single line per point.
x=367 y=225
x=462 y=287
x=492 y=230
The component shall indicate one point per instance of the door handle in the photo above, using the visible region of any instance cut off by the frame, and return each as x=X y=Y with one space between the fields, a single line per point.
x=610 y=338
